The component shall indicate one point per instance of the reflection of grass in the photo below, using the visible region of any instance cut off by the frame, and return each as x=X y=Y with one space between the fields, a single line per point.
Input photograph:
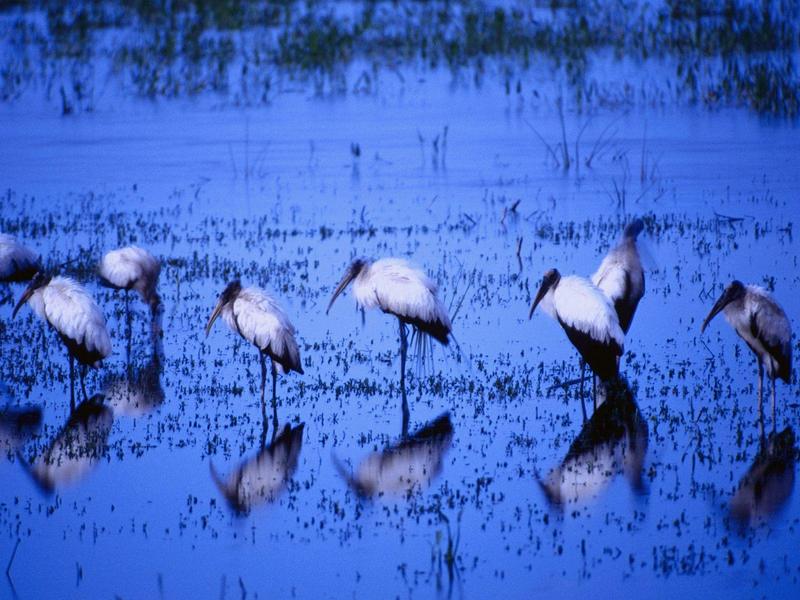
x=722 y=50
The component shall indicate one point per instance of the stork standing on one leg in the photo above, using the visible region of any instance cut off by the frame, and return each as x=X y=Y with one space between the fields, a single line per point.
x=589 y=320
x=79 y=322
x=133 y=268
x=404 y=291
x=259 y=319
x=762 y=324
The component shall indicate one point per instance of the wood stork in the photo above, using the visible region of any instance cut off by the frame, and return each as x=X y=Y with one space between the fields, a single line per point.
x=263 y=477
x=259 y=319
x=769 y=481
x=589 y=320
x=762 y=324
x=614 y=441
x=77 y=448
x=79 y=322
x=404 y=291
x=405 y=467
x=620 y=276
x=133 y=268
x=17 y=263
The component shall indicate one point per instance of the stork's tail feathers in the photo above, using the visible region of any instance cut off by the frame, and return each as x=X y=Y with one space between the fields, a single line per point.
x=436 y=329
x=633 y=229
x=289 y=360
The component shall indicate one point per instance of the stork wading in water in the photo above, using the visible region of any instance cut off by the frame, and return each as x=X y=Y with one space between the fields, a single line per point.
x=403 y=291
x=762 y=324
x=73 y=314
x=589 y=320
x=620 y=276
x=133 y=268
x=259 y=319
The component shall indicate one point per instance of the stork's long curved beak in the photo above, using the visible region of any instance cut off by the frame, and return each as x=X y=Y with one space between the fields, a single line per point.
x=214 y=315
x=539 y=295
x=715 y=310
x=348 y=277
x=26 y=295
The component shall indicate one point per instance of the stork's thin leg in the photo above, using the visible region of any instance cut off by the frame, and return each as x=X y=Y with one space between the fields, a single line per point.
x=773 y=405
x=83 y=382
x=760 y=387
x=583 y=404
x=403 y=350
x=274 y=400
x=128 y=328
x=71 y=382
x=263 y=358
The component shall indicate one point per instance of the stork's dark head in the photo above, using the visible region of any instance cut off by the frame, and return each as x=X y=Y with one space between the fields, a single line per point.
x=228 y=295
x=549 y=281
x=353 y=271
x=41 y=279
x=735 y=291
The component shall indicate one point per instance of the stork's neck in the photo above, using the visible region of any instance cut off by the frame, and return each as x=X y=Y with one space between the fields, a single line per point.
x=228 y=316
x=363 y=289
x=36 y=302
x=547 y=304
x=738 y=312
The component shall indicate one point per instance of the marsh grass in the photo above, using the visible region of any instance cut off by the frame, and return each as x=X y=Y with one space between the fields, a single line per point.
x=719 y=51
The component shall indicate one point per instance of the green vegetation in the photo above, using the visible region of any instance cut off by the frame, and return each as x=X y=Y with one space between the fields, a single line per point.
x=711 y=51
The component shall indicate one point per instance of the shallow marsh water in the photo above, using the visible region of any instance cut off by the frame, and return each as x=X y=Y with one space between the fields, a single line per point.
x=276 y=196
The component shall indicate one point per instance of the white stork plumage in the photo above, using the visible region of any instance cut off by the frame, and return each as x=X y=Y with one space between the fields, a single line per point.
x=761 y=323
x=405 y=467
x=69 y=309
x=587 y=317
x=404 y=291
x=133 y=268
x=17 y=263
x=263 y=477
x=260 y=320
x=621 y=277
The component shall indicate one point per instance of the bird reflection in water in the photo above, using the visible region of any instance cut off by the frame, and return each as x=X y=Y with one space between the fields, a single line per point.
x=16 y=425
x=405 y=467
x=613 y=441
x=769 y=481
x=138 y=392
x=76 y=449
x=263 y=477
